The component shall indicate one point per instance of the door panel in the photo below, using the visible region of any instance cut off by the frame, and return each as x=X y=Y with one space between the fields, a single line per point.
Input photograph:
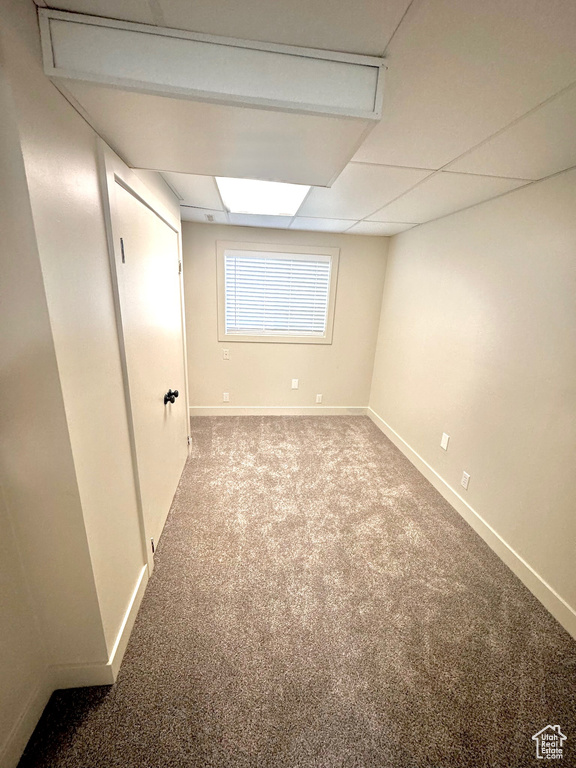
x=146 y=254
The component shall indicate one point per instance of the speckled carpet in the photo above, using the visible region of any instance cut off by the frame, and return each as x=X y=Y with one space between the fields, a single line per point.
x=317 y=604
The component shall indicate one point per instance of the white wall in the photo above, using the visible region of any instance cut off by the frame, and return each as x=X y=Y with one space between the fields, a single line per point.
x=65 y=459
x=478 y=339
x=46 y=569
x=22 y=654
x=258 y=375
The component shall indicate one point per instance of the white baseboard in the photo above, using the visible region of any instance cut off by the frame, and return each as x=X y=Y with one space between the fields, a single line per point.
x=81 y=675
x=71 y=676
x=11 y=752
x=277 y=410
x=550 y=599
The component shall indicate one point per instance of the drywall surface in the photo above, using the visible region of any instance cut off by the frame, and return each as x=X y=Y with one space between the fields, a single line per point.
x=22 y=655
x=259 y=374
x=70 y=516
x=478 y=339
x=60 y=156
x=49 y=606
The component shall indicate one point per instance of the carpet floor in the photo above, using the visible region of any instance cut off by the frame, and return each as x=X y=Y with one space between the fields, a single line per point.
x=317 y=604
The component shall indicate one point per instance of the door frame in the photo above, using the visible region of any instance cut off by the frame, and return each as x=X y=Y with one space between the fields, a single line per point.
x=113 y=171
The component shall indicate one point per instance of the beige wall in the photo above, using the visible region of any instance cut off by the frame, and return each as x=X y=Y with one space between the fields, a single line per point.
x=478 y=339
x=260 y=374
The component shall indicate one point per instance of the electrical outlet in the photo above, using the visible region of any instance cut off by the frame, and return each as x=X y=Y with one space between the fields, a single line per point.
x=294 y=383
x=445 y=440
x=225 y=397
x=318 y=398
x=465 y=480
x=225 y=354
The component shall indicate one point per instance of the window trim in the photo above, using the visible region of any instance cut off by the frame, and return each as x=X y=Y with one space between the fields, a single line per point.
x=334 y=255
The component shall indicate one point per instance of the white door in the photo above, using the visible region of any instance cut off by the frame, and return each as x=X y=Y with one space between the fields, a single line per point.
x=147 y=265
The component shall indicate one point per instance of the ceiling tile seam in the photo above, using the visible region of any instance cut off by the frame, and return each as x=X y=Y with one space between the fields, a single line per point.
x=511 y=124
x=390 y=165
x=446 y=166
x=375 y=221
x=200 y=208
x=326 y=218
x=486 y=175
x=157 y=13
x=430 y=175
x=489 y=199
x=393 y=35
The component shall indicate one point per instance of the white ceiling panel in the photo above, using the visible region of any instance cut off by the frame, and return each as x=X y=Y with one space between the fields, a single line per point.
x=250 y=220
x=321 y=225
x=338 y=25
x=444 y=193
x=180 y=135
x=541 y=143
x=360 y=190
x=200 y=191
x=378 y=228
x=203 y=215
x=460 y=70
x=125 y=10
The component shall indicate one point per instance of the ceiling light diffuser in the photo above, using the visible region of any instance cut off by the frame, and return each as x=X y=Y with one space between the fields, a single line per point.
x=267 y=198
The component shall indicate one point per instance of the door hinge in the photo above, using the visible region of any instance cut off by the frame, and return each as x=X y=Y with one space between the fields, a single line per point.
x=152 y=545
x=122 y=250
x=179 y=267
x=189 y=440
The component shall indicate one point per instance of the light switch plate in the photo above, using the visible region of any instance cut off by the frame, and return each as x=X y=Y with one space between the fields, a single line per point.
x=445 y=440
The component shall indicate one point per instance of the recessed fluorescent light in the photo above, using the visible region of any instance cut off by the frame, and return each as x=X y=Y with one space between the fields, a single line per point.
x=268 y=198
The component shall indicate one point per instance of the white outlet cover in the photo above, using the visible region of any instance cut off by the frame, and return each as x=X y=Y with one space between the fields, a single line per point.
x=444 y=441
x=318 y=398
x=294 y=383
x=465 y=480
x=226 y=397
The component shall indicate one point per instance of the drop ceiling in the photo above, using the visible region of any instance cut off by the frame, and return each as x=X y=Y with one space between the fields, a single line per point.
x=480 y=100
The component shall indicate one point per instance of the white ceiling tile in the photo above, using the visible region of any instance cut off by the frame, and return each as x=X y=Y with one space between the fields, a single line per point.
x=127 y=10
x=460 y=70
x=538 y=145
x=359 y=191
x=180 y=135
x=445 y=193
x=378 y=228
x=338 y=25
x=321 y=225
x=203 y=215
x=199 y=191
x=251 y=220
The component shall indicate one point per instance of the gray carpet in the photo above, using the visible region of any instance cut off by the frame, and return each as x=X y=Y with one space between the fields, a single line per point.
x=317 y=604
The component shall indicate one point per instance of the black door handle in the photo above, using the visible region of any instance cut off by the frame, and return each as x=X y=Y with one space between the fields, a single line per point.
x=170 y=396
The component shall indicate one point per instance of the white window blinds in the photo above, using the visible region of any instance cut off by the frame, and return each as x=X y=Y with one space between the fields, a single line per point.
x=276 y=294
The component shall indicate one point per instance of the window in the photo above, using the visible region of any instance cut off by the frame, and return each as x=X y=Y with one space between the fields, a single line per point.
x=274 y=293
